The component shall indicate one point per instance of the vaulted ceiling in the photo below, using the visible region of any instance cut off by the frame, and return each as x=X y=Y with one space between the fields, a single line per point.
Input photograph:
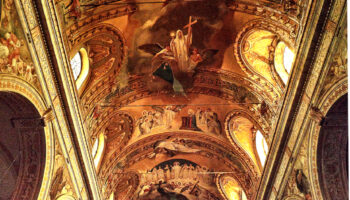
x=181 y=92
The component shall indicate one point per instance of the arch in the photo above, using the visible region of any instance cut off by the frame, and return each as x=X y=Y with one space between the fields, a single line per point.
x=103 y=45
x=254 y=125
x=270 y=34
x=16 y=85
x=232 y=157
x=324 y=103
x=229 y=188
x=22 y=132
x=332 y=151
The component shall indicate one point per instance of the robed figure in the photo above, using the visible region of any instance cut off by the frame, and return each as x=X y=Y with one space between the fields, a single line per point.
x=177 y=59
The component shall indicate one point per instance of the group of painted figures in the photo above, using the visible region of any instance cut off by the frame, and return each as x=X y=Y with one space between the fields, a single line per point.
x=12 y=47
x=10 y=60
x=204 y=119
x=176 y=181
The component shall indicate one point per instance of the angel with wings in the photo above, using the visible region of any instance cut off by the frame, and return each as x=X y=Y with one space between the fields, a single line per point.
x=177 y=58
x=171 y=147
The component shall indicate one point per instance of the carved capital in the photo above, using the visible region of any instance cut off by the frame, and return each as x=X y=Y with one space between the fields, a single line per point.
x=316 y=114
x=48 y=115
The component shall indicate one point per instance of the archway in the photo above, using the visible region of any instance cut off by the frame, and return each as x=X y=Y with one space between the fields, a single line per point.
x=22 y=148
x=332 y=152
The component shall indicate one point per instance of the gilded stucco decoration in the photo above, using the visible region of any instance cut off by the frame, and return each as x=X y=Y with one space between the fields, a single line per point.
x=18 y=76
x=106 y=58
x=229 y=188
x=256 y=49
x=241 y=128
x=178 y=91
x=117 y=133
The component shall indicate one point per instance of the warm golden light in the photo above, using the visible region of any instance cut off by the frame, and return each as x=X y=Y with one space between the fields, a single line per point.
x=241 y=131
x=85 y=70
x=261 y=147
x=256 y=52
x=284 y=58
x=232 y=189
x=100 y=143
x=288 y=59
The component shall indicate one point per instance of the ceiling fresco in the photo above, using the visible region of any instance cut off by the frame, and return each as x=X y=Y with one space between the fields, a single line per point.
x=177 y=91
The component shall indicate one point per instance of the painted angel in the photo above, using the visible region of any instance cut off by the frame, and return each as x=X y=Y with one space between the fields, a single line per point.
x=171 y=147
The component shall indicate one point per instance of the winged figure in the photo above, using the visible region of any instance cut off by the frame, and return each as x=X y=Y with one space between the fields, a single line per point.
x=171 y=147
x=177 y=58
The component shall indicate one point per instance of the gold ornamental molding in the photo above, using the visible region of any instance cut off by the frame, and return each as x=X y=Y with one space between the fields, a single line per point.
x=38 y=49
x=282 y=34
x=69 y=101
x=294 y=120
